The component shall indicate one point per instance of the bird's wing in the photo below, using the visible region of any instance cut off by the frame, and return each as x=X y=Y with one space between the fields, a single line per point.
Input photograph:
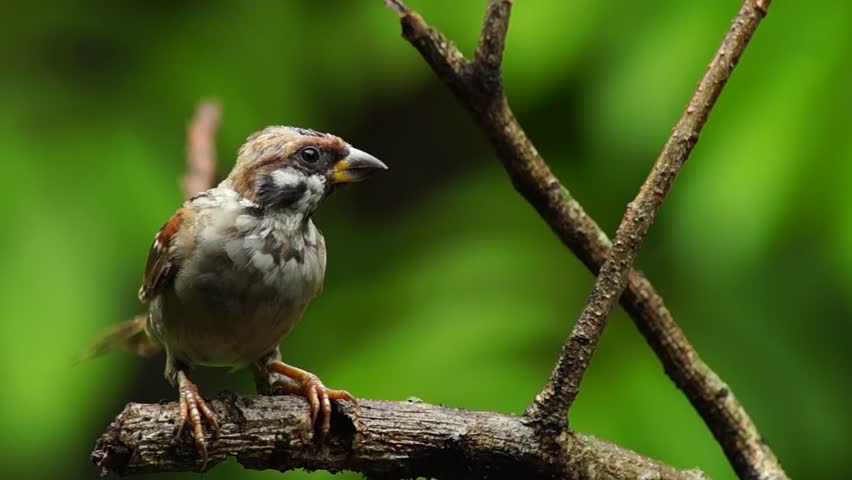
x=163 y=263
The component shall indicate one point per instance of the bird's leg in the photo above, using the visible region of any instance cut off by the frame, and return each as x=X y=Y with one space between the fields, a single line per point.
x=267 y=382
x=191 y=409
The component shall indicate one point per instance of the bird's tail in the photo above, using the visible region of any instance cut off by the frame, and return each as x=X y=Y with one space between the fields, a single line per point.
x=128 y=335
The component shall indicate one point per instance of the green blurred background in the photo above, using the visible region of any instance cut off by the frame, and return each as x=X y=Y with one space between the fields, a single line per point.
x=442 y=282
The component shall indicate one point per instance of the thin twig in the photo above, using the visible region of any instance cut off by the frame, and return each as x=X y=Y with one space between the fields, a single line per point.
x=555 y=399
x=201 y=148
x=382 y=440
x=530 y=175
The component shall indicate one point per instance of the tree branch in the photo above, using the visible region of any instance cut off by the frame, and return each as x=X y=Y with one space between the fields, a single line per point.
x=551 y=405
x=530 y=175
x=384 y=440
x=201 y=148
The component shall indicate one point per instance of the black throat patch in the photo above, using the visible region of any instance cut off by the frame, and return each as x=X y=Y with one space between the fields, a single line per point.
x=272 y=195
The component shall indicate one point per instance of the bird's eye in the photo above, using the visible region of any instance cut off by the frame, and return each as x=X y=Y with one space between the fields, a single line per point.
x=309 y=154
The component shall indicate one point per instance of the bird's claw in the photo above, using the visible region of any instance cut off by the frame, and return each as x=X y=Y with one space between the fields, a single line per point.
x=299 y=382
x=319 y=397
x=191 y=408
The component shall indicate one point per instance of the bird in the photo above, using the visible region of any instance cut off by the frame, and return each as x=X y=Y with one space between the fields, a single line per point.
x=232 y=271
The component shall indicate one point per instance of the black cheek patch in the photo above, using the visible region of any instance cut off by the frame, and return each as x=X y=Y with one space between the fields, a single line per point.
x=271 y=195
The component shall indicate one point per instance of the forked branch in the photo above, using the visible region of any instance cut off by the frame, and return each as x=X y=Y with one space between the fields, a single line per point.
x=473 y=82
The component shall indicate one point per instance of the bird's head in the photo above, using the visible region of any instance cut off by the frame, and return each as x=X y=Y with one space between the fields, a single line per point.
x=290 y=168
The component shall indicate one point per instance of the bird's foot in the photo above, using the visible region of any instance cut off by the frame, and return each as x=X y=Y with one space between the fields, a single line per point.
x=191 y=409
x=308 y=385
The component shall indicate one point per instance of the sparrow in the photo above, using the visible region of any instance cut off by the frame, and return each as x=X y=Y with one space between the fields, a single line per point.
x=230 y=274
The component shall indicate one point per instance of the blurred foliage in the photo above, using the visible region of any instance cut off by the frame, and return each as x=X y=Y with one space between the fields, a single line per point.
x=442 y=282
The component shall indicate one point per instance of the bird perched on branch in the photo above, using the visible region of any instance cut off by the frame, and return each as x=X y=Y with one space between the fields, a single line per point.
x=232 y=271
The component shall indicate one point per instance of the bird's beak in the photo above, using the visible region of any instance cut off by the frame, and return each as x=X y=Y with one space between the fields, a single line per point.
x=355 y=167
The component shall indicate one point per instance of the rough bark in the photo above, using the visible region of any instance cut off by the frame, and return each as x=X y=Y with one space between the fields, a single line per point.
x=383 y=440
